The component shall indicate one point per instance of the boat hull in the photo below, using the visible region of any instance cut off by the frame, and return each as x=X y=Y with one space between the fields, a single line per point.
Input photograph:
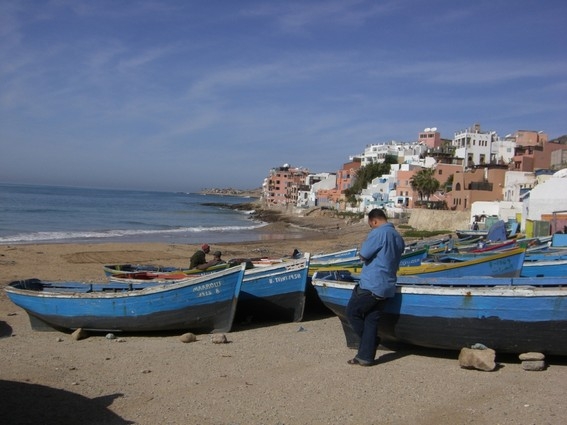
x=501 y=264
x=347 y=253
x=204 y=304
x=276 y=292
x=134 y=271
x=409 y=259
x=550 y=268
x=507 y=315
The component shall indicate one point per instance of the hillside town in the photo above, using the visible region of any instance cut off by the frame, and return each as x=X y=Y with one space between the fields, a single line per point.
x=517 y=177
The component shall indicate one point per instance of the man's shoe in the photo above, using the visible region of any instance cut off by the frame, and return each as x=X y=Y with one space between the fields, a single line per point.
x=357 y=361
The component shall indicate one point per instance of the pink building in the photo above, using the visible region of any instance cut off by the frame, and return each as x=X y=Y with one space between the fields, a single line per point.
x=281 y=187
x=530 y=138
x=345 y=179
x=403 y=186
x=347 y=174
x=430 y=137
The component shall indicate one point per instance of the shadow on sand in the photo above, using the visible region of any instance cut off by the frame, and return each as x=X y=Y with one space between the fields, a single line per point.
x=5 y=329
x=24 y=403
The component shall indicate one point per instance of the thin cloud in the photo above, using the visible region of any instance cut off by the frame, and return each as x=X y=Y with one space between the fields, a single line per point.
x=308 y=83
x=297 y=16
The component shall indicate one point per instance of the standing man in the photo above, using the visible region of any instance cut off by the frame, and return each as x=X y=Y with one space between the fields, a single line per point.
x=200 y=256
x=380 y=253
x=450 y=246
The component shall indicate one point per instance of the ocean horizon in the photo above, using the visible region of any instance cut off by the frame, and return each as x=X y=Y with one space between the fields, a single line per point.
x=56 y=214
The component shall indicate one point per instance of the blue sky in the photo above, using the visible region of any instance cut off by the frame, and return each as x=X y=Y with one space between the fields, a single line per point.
x=184 y=95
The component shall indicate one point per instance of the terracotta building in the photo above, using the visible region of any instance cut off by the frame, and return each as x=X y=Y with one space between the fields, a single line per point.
x=478 y=184
x=347 y=174
x=534 y=157
x=282 y=185
x=345 y=178
x=403 y=186
x=530 y=138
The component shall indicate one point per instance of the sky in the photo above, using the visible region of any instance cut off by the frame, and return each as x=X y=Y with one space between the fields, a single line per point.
x=183 y=95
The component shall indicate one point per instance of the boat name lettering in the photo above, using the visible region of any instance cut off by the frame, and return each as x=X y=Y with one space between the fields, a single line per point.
x=502 y=265
x=284 y=278
x=207 y=286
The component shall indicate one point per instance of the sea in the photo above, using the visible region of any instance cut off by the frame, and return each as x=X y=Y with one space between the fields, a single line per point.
x=50 y=214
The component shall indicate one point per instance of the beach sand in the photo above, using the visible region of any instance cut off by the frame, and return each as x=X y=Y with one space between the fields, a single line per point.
x=268 y=373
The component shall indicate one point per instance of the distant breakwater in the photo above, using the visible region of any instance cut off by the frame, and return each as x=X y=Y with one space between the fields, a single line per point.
x=249 y=193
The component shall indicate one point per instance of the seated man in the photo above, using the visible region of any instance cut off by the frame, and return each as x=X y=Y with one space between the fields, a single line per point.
x=216 y=260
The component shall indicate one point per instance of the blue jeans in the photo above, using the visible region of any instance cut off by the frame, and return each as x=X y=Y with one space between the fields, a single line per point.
x=363 y=312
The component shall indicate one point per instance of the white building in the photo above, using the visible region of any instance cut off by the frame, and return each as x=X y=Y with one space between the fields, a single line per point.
x=504 y=210
x=381 y=192
x=546 y=198
x=474 y=146
x=315 y=182
x=404 y=152
x=502 y=151
x=516 y=184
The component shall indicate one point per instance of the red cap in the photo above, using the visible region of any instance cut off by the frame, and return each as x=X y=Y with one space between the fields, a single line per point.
x=204 y=247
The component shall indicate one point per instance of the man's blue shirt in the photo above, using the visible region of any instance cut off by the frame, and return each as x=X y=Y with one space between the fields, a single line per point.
x=382 y=251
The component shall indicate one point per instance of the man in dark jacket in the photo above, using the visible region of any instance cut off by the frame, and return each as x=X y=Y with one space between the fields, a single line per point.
x=200 y=256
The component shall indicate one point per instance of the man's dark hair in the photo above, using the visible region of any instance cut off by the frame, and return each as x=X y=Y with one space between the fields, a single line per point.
x=377 y=213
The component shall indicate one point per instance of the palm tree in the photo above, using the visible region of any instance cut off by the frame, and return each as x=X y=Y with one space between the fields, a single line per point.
x=424 y=183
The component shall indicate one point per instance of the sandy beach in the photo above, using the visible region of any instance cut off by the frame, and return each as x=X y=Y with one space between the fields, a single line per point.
x=268 y=373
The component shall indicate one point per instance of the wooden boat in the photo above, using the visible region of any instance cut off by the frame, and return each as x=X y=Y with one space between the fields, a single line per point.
x=513 y=315
x=499 y=264
x=531 y=256
x=464 y=233
x=275 y=292
x=552 y=267
x=123 y=270
x=550 y=264
x=334 y=263
x=347 y=253
x=414 y=258
x=409 y=259
x=495 y=246
x=270 y=292
x=202 y=304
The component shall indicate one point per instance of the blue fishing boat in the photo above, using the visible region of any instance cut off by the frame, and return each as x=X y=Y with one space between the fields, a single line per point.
x=552 y=267
x=512 y=315
x=139 y=270
x=269 y=292
x=334 y=263
x=551 y=264
x=347 y=253
x=409 y=259
x=275 y=292
x=201 y=304
x=495 y=246
x=500 y=264
x=414 y=257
